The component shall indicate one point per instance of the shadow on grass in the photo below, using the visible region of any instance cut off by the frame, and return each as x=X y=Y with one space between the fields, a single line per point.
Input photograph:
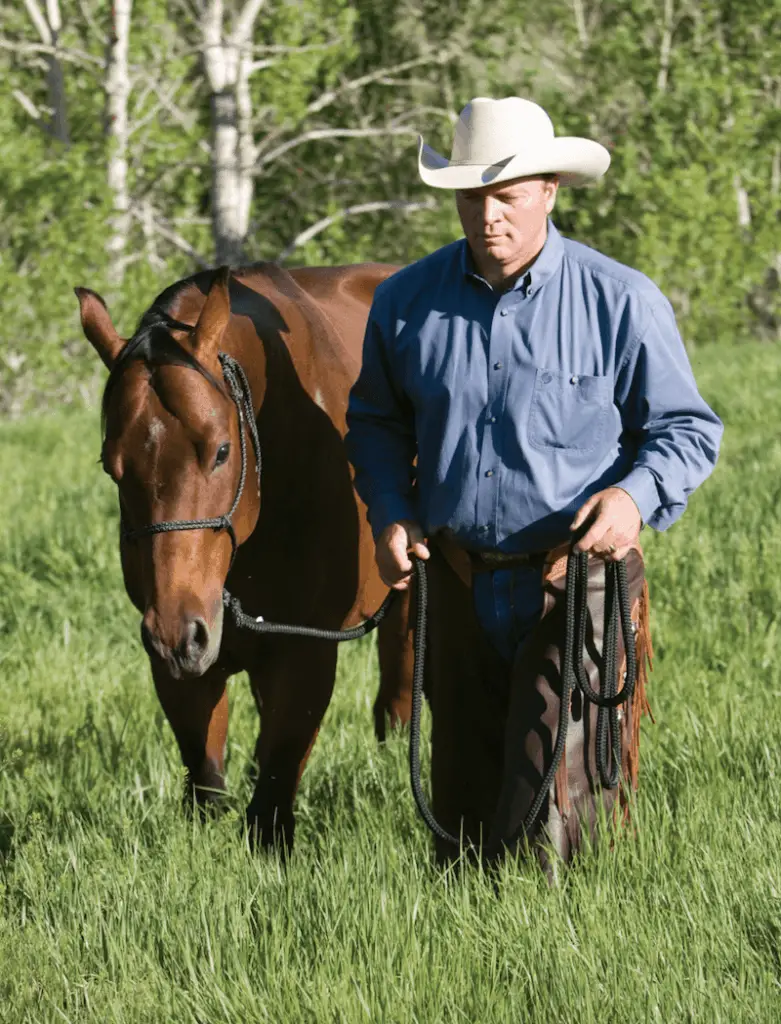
x=763 y=934
x=7 y=830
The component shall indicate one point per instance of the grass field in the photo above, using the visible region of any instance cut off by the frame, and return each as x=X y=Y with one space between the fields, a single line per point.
x=114 y=907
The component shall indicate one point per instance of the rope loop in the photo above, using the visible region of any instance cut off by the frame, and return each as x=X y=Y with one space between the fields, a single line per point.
x=573 y=677
x=573 y=672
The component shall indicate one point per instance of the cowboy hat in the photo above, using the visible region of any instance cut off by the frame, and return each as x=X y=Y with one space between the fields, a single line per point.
x=496 y=140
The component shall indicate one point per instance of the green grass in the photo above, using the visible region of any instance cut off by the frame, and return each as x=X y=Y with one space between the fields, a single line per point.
x=114 y=907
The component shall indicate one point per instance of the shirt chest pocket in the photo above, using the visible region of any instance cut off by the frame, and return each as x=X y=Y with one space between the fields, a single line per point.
x=568 y=411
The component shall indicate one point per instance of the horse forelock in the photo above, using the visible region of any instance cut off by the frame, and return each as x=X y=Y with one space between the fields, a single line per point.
x=153 y=345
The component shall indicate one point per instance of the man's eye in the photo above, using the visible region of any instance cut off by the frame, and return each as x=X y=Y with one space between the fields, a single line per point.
x=222 y=454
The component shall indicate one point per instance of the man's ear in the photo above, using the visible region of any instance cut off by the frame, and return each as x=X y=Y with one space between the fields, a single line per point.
x=551 y=192
x=207 y=336
x=98 y=326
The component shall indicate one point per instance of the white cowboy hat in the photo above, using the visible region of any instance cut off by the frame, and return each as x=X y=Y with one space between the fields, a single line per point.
x=496 y=140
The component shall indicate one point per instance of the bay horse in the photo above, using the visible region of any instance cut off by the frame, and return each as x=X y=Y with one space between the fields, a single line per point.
x=296 y=546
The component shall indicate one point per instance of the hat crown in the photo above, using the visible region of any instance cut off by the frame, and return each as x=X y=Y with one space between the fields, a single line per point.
x=490 y=131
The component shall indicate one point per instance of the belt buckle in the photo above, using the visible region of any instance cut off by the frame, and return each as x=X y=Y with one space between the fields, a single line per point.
x=502 y=559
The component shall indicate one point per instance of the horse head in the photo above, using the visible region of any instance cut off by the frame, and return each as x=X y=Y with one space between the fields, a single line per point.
x=177 y=433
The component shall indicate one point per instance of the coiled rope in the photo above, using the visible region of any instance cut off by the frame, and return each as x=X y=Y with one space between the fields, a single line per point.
x=573 y=675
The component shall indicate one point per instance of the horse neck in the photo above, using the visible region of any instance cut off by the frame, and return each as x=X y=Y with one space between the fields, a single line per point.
x=297 y=348
x=289 y=351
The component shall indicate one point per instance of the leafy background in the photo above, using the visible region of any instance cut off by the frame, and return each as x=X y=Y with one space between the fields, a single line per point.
x=685 y=93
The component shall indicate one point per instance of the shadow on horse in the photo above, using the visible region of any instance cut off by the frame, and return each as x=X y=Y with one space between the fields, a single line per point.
x=184 y=442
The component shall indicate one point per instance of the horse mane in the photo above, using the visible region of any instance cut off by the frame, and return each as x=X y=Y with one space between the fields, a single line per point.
x=152 y=344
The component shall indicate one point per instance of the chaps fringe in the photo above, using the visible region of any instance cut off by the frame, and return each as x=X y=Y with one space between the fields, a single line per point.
x=640 y=706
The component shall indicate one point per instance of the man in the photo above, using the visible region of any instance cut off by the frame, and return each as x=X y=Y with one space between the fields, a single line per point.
x=546 y=394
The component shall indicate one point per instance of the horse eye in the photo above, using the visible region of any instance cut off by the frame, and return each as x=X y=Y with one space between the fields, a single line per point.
x=222 y=454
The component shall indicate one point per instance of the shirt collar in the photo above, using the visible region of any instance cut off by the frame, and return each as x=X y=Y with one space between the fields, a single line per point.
x=546 y=264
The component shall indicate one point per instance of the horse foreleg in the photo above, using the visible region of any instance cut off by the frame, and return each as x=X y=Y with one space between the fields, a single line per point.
x=395 y=645
x=292 y=692
x=197 y=710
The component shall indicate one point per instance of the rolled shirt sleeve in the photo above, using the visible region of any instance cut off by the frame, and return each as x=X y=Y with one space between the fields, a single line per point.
x=676 y=433
x=381 y=429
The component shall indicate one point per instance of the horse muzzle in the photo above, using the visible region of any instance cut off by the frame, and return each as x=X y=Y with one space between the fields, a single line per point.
x=188 y=649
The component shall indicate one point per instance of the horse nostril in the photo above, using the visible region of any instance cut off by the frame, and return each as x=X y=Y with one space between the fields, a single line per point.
x=147 y=639
x=196 y=638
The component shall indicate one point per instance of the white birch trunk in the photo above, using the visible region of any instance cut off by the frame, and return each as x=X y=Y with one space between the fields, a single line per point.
x=580 y=22
x=227 y=61
x=56 y=79
x=117 y=92
x=665 y=49
x=742 y=201
x=48 y=26
x=247 y=148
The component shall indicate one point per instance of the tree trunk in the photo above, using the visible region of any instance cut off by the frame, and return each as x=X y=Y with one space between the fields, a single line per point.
x=117 y=92
x=228 y=224
x=48 y=26
x=247 y=147
x=55 y=80
x=227 y=62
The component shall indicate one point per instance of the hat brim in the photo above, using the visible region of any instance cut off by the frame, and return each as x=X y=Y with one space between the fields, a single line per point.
x=576 y=162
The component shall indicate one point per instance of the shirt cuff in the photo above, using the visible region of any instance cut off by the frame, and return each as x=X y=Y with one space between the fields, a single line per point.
x=640 y=485
x=387 y=509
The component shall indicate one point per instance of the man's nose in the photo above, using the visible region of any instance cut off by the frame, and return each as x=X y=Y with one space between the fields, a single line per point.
x=491 y=210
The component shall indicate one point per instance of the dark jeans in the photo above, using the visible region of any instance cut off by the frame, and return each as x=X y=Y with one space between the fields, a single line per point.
x=508 y=604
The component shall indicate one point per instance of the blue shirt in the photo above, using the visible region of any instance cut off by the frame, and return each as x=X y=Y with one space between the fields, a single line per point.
x=520 y=404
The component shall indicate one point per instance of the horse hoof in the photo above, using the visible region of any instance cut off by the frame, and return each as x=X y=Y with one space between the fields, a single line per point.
x=205 y=799
x=274 y=835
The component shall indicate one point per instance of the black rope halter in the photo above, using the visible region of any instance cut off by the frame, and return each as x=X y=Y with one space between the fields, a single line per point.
x=239 y=388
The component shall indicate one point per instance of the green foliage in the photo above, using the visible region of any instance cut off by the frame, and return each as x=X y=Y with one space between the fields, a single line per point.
x=681 y=143
x=115 y=908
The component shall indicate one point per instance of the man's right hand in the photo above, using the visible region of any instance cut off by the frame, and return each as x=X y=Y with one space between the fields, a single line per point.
x=393 y=550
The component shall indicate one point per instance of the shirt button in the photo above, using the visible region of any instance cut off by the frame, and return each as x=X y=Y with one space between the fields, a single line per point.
x=574 y=379
x=489 y=472
x=503 y=312
x=497 y=366
x=492 y=419
x=482 y=529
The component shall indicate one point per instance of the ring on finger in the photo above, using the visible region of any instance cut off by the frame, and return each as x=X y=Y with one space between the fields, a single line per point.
x=612 y=549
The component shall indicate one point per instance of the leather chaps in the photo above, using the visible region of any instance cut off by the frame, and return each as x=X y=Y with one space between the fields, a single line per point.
x=494 y=725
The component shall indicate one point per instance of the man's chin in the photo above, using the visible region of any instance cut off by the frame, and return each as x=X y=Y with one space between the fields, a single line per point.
x=496 y=248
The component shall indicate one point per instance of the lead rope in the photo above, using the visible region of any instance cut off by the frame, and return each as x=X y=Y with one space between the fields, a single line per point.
x=573 y=674
x=575 y=678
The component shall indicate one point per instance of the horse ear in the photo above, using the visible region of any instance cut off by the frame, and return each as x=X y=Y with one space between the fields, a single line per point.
x=214 y=318
x=98 y=326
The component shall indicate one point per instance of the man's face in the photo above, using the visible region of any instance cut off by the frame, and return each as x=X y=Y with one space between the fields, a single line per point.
x=503 y=221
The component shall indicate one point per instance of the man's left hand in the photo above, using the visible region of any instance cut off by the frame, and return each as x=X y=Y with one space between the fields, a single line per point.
x=614 y=524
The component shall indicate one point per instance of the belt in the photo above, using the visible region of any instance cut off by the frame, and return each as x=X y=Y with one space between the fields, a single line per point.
x=467 y=563
x=491 y=561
